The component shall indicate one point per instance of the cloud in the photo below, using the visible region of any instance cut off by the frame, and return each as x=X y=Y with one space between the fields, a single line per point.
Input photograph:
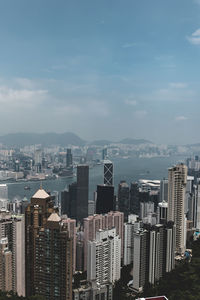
x=140 y=113
x=197 y=1
x=180 y=118
x=10 y=97
x=129 y=45
x=178 y=85
x=131 y=102
x=194 y=38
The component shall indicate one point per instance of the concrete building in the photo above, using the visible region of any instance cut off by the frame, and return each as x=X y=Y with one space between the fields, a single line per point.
x=94 y=223
x=177 y=180
x=6 y=263
x=12 y=228
x=93 y=291
x=36 y=215
x=104 y=257
x=154 y=254
x=53 y=260
x=70 y=224
x=133 y=225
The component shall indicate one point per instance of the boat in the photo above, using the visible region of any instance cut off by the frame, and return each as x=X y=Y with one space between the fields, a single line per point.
x=27 y=187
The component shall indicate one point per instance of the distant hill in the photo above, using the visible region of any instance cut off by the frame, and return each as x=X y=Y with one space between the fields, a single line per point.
x=134 y=141
x=101 y=142
x=45 y=139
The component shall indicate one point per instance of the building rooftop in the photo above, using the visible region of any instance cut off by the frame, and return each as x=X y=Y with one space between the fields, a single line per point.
x=54 y=217
x=40 y=194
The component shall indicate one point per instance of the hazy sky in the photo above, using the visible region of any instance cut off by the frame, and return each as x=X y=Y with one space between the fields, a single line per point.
x=101 y=68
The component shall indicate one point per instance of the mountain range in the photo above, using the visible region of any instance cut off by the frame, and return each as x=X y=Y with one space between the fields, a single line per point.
x=62 y=139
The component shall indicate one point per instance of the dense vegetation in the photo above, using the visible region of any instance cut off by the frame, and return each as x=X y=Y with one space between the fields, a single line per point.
x=12 y=296
x=182 y=283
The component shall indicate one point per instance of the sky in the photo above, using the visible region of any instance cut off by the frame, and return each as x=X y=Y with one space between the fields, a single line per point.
x=103 y=69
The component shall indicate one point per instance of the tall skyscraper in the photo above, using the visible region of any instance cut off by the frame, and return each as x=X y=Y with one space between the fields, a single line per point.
x=124 y=199
x=69 y=158
x=70 y=224
x=133 y=225
x=164 y=190
x=104 y=257
x=177 y=179
x=82 y=192
x=105 y=201
x=53 y=260
x=134 y=199
x=108 y=172
x=36 y=215
x=12 y=229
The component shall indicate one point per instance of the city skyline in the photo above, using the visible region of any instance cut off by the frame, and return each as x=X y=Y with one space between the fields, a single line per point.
x=101 y=69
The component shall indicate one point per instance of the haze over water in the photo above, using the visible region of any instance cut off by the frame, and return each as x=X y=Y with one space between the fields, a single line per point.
x=131 y=169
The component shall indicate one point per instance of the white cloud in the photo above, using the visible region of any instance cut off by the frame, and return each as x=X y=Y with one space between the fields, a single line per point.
x=140 y=113
x=131 y=102
x=129 y=45
x=181 y=118
x=10 y=97
x=194 y=38
x=178 y=85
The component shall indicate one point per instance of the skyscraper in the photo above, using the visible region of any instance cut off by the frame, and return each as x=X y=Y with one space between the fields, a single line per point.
x=105 y=199
x=124 y=199
x=82 y=192
x=177 y=179
x=134 y=198
x=69 y=158
x=53 y=260
x=36 y=215
x=108 y=172
x=12 y=229
x=104 y=257
x=6 y=274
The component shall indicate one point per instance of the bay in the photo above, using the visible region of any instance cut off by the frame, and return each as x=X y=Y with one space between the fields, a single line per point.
x=128 y=169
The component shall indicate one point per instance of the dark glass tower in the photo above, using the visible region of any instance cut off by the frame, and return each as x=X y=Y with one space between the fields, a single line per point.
x=105 y=199
x=82 y=192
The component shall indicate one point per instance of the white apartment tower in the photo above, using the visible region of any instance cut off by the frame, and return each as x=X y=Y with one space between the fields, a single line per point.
x=177 y=180
x=104 y=257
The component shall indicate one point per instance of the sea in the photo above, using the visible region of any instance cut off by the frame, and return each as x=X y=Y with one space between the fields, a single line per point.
x=128 y=169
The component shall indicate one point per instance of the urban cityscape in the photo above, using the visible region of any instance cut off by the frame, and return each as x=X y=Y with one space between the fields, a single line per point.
x=99 y=150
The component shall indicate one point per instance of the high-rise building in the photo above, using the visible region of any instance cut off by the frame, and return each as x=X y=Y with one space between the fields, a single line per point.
x=94 y=223
x=36 y=215
x=146 y=208
x=108 y=172
x=164 y=190
x=82 y=192
x=12 y=229
x=162 y=212
x=71 y=227
x=105 y=201
x=153 y=255
x=6 y=275
x=104 y=257
x=69 y=158
x=74 y=202
x=134 y=199
x=133 y=225
x=53 y=260
x=177 y=179
x=124 y=199
x=104 y=153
